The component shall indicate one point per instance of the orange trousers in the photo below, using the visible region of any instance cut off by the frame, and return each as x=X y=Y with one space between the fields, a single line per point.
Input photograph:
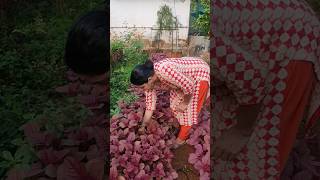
x=299 y=85
x=203 y=90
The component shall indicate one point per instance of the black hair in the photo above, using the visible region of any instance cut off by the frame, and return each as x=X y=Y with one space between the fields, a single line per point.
x=141 y=73
x=87 y=45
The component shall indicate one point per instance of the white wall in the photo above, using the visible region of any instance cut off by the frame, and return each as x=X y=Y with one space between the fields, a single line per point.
x=143 y=13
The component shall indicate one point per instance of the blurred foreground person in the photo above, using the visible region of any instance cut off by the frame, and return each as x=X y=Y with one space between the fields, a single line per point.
x=265 y=64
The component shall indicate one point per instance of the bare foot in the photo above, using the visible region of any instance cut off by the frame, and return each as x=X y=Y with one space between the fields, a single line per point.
x=230 y=143
x=178 y=142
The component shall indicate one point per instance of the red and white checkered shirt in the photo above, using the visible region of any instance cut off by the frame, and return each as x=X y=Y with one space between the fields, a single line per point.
x=182 y=76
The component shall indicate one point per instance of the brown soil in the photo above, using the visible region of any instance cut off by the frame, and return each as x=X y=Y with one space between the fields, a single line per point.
x=180 y=163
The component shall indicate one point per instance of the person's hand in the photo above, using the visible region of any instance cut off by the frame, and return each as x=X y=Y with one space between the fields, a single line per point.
x=146 y=121
x=142 y=129
x=182 y=107
x=121 y=178
x=143 y=126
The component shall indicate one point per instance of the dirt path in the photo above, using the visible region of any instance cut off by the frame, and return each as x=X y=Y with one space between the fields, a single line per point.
x=180 y=163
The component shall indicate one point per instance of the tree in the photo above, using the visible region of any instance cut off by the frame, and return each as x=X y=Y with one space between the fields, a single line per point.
x=166 y=20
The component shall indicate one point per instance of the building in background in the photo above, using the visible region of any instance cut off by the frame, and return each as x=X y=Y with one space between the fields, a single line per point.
x=141 y=16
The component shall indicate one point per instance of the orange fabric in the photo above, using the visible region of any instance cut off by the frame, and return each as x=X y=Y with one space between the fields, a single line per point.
x=299 y=85
x=184 y=132
x=203 y=90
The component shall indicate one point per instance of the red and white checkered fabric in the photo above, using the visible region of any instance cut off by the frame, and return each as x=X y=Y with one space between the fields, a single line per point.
x=252 y=43
x=182 y=76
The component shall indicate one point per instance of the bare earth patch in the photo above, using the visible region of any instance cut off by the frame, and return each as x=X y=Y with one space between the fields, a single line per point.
x=180 y=163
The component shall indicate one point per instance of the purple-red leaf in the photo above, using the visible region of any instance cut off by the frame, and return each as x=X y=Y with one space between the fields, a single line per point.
x=113 y=173
x=15 y=174
x=95 y=168
x=101 y=138
x=51 y=171
x=49 y=156
x=302 y=175
x=69 y=89
x=72 y=169
x=35 y=170
x=92 y=152
x=72 y=76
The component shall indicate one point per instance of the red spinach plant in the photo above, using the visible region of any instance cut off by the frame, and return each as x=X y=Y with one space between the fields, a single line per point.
x=142 y=156
x=70 y=150
x=200 y=139
x=304 y=160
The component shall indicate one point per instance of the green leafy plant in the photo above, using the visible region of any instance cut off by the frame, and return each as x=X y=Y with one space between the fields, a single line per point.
x=165 y=18
x=117 y=45
x=22 y=158
x=132 y=47
x=200 y=20
x=63 y=138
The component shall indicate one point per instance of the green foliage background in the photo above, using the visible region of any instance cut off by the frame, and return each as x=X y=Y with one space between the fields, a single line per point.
x=201 y=22
x=132 y=48
x=32 y=41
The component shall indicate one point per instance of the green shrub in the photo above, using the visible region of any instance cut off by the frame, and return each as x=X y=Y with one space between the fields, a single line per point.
x=133 y=54
x=201 y=21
